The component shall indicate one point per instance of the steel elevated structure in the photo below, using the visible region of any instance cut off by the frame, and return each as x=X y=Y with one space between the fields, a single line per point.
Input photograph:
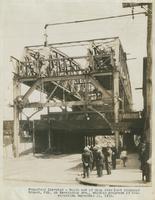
x=88 y=80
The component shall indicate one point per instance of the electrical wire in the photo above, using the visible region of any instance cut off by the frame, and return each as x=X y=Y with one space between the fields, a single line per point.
x=93 y=19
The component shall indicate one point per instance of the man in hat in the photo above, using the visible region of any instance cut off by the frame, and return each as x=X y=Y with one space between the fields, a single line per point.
x=99 y=160
x=108 y=159
x=91 y=157
x=86 y=160
x=114 y=156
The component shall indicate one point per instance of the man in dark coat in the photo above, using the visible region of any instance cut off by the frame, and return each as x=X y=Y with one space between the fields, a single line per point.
x=114 y=156
x=144 y=156
x=86 y=160
x=99 y=160
x=91 y=157
x=108 y=160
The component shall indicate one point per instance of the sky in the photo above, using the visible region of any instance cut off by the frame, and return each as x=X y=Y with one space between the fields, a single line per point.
x=23 y=21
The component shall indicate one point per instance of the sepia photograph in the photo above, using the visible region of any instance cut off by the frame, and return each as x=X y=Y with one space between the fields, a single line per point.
x=77 y=98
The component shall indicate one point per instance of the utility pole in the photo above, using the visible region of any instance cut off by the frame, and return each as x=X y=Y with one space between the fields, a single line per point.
x=147 y=77
x=148 y=114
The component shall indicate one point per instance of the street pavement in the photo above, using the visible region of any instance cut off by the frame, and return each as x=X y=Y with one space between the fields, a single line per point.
x=42 y=170
x=51 y=170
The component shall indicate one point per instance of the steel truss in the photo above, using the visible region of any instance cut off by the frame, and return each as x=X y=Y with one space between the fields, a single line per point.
x=68 y=83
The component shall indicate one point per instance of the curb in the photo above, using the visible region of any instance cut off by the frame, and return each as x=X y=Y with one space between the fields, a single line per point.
x=110 y=184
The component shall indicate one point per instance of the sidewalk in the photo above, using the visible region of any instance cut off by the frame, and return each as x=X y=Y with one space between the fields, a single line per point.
x=50 y=170
x=122 y=176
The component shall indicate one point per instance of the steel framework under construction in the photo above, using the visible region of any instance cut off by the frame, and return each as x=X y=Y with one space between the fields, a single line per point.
x=89 y=78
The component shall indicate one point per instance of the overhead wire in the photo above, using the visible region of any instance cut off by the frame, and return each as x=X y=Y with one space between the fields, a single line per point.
x=93 y=19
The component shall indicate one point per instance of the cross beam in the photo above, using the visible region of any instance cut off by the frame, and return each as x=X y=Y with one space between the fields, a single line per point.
x=53 y=78
x=65 y=78
x=99 y=87
x=70 y=42
x=67 y=103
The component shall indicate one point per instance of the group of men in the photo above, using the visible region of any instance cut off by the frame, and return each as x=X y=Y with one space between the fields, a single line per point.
x=100 y=158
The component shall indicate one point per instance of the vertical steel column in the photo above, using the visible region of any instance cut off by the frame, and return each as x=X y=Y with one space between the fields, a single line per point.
x=116 y=105
x=49 y=129
x=116 y=90
x=89 y=139
x=33 y=137
x=86 y=140
x=123 y=101
x=93 y=140
x=16 y=113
